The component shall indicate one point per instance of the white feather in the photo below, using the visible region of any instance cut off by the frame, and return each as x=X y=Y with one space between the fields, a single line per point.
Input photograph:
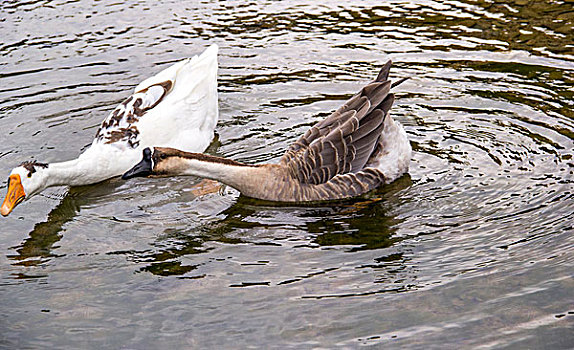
x=397 y=151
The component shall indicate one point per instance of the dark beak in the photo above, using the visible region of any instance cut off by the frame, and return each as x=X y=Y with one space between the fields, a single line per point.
x=141 y=169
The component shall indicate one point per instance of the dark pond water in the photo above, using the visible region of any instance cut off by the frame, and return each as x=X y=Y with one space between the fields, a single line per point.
x=474 y=249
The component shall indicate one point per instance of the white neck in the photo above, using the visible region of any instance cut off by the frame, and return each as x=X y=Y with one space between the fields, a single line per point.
x=75 y=172
x=91 y=167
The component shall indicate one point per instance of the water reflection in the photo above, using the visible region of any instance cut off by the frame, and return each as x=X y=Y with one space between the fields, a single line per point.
x=355 y=225
x=38 y=247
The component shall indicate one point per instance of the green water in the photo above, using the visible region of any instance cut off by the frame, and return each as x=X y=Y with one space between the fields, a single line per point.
x=473 y=249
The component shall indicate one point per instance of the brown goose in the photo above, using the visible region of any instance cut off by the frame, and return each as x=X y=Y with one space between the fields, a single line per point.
x=356 y=149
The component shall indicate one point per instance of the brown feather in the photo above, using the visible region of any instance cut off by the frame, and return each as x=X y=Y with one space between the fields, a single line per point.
x=330 y=157
x=119 y=125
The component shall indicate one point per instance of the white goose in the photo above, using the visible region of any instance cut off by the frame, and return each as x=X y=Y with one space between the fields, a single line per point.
x=176 y=108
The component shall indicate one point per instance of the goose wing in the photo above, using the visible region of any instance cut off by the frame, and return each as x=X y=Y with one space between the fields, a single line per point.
x=166 y=107
x=343 y=142
x=120 y=125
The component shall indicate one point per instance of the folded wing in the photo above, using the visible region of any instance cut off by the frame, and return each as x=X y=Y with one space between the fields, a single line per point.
x=343 y=142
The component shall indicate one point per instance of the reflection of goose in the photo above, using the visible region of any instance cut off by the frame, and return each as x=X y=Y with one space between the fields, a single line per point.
x=175 y=108
x=356 y=149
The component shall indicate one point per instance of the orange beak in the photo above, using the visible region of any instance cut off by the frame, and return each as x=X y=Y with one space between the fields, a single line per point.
x=14 y=196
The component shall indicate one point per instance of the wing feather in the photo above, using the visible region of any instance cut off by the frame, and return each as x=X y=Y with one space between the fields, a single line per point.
x=342 y=143
x=120 y=125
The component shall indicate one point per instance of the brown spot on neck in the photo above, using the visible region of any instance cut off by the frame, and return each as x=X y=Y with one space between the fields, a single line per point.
x=31 y=166
x=213 y=159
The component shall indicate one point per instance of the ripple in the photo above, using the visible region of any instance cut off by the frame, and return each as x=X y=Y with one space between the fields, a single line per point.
x=476 y=240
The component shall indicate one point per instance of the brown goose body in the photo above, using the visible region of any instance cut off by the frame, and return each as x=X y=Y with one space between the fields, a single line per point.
x=355 y=150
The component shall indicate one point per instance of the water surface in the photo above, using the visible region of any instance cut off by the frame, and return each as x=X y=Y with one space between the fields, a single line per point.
x=472 y=249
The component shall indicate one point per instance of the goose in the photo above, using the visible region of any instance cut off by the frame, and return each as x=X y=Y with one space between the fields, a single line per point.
x=178 y=107
x=354 y=150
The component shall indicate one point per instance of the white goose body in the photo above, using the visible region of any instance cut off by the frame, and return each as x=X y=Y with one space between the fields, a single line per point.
x=177 y=108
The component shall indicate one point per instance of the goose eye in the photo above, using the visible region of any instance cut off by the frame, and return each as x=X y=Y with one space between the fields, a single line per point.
x=163 y=156
x=29 y=174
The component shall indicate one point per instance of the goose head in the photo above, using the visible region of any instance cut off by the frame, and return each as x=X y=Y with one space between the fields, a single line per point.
x=25 y=181
x=143 y=168
x=159 y=161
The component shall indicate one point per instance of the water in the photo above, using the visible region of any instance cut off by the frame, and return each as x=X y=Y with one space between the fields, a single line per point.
x=473 y=249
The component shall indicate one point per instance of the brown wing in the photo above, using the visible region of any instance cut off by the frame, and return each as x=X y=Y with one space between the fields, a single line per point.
x=334 y=120
x=343 y=142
